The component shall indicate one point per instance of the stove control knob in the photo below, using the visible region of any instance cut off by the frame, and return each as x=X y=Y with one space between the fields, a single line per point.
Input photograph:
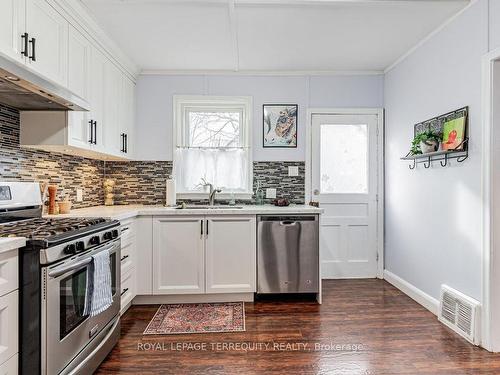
x=95 y=240
x=115 y=233
x=70 y=249
x=80 y=246
x=108 y=236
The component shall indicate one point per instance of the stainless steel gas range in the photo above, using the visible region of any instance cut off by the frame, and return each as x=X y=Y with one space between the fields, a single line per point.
x=56 y=335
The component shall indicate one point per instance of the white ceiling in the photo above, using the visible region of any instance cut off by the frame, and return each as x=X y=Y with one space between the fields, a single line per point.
x=273 y=35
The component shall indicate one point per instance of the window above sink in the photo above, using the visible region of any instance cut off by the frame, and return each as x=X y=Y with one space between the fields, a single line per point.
x=213 y=142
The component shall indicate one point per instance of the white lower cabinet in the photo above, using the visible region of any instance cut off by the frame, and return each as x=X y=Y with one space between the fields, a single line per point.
x=204 y=254
x=128 y=262
x=230 y=254
x=9 y=325
x=178 y=256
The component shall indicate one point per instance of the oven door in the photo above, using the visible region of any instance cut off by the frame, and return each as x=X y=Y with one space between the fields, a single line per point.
x=66 y=330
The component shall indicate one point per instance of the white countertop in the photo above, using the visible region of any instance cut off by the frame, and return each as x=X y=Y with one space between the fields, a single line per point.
x=129 y=211
x=11 y=243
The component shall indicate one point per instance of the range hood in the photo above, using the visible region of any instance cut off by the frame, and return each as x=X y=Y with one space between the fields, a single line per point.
x=25 y=90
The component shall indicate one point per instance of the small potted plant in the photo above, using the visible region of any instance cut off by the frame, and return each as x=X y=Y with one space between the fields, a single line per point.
x=428 y=141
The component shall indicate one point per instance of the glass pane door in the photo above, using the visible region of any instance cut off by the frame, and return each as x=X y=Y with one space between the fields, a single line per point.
x=344 y=159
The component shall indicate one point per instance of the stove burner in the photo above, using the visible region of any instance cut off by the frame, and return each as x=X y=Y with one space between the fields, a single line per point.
x=44 y=228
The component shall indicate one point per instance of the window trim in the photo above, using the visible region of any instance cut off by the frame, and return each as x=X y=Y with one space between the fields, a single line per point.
x=179 y=138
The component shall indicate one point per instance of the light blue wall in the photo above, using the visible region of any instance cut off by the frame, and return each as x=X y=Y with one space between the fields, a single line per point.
x=154 y=104
x=433 y=216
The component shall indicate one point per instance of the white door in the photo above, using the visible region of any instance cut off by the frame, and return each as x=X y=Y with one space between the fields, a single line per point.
x=230 y=254
x=79 y=57
x=12 y=28
x=178 y=256
x=344 y=181
x=48 y=41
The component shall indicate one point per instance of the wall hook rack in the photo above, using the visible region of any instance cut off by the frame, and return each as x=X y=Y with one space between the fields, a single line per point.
x=437 y=125
x=445 y=161
x=460 y=153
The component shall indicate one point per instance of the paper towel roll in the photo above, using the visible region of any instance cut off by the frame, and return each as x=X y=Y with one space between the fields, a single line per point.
x=171 y=196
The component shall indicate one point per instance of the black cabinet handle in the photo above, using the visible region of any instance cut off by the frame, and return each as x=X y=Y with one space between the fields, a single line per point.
x=126 y=142
x=122 y=136
x=91 y=123
x=24 y=37
x=124 y=291
x=95 y=132
x=207 y=227
x=201 y=227
x=33 y=49
x=124 y=257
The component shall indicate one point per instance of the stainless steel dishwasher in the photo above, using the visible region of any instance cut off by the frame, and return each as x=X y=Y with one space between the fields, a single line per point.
x=288 y=254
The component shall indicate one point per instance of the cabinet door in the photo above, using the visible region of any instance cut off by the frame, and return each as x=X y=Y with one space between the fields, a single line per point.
x=79 y=58
x=178 y=259
x=230 y=254
x=12 y=26
x=96 y=98
x=127 y=113
x=79 y=55
x=48 y=35
x=9 y=325
x=112 y=94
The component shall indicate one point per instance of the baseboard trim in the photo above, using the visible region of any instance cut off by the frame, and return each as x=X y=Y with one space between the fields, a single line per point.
x=430 y=303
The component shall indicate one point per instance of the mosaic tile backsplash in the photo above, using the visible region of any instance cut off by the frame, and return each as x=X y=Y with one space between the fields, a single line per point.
x=68 y=172
x=137 y=182
x=144 y=182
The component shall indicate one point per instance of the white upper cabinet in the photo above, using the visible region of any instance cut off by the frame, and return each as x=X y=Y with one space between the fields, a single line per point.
x=47 y=41
x=12 y=27
x=79 y=54
x=112 y=105
x=127 y=113
x=37 y=34
x=98 y=64
x=79 y=80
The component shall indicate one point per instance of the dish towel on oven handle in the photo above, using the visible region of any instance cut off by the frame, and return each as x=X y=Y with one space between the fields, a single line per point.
x=99 y=295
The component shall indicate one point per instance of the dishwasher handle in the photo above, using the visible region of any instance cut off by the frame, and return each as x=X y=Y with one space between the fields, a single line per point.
x=287 y=220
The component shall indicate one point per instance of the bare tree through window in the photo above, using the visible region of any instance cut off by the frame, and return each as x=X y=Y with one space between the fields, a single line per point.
x=214 y=129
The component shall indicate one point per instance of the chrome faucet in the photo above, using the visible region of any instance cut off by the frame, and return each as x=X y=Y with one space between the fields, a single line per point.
x=211 y=194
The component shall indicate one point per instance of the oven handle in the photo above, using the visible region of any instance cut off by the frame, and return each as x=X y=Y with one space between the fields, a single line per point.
x=61 y=271
x=74 y=266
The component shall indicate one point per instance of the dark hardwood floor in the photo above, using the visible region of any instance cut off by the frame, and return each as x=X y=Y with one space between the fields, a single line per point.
x=394 y=335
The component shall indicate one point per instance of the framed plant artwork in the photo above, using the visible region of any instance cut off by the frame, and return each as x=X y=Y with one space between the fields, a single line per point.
x=280 y=125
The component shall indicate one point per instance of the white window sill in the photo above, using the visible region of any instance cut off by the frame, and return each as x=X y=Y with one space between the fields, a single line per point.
x=218 y=196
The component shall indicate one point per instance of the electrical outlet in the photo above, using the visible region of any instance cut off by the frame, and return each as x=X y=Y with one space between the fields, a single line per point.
x=293 y=171
x=270 y=193
x=79 y=195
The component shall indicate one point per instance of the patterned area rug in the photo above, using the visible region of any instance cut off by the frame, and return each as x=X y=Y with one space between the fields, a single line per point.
x=198 y=318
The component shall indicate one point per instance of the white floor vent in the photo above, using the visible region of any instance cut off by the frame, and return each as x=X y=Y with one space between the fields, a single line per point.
x=460 y=313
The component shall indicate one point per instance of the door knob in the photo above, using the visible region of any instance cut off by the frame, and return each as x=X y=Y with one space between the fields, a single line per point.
x=316 y=192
